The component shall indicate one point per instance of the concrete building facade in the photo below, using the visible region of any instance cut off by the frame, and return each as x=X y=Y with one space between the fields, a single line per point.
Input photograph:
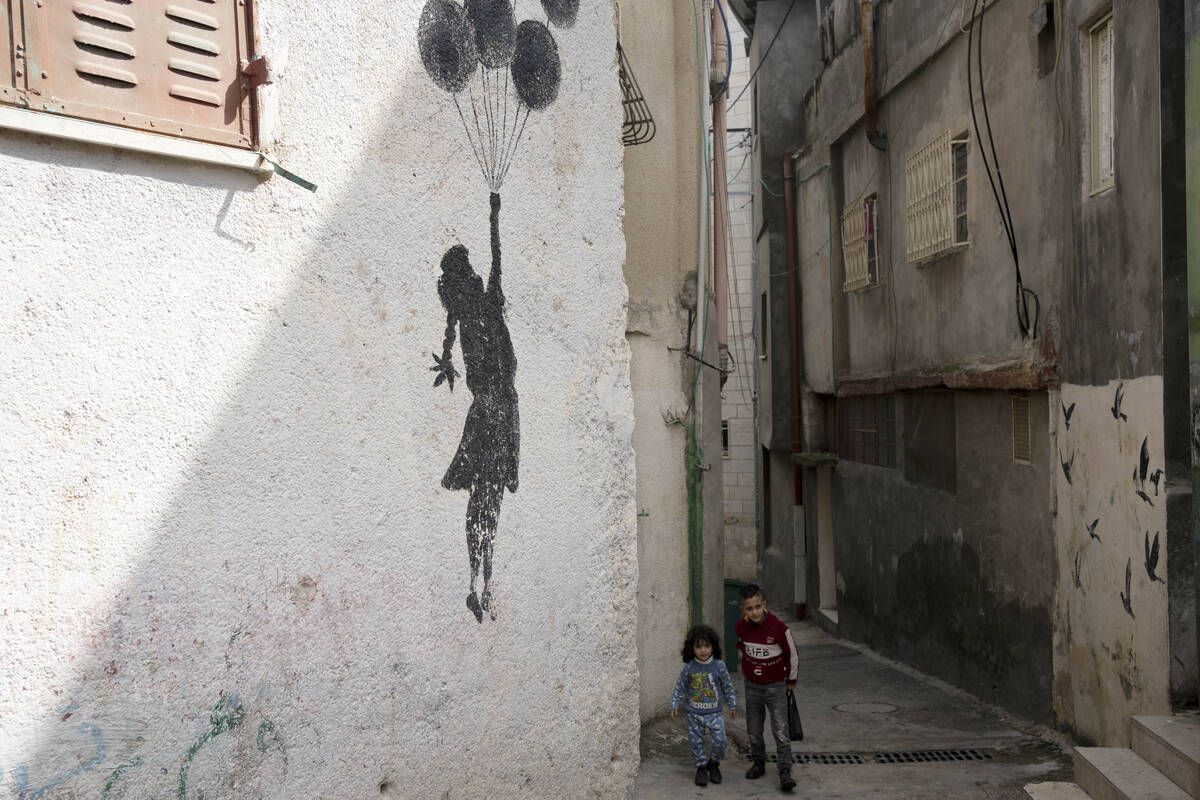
x=994 y=458
x=240 y=513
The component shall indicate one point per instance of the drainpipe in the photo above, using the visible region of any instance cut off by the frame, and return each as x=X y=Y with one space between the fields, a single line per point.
x=789 y=210
x=878 y=140
x=718 y=83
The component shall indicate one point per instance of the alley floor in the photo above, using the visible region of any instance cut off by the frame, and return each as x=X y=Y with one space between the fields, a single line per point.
x=861 y=712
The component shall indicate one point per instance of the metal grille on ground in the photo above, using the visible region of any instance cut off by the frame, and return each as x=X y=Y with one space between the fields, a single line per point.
x=882 y=757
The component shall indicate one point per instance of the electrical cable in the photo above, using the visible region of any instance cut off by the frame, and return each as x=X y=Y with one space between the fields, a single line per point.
x=762 y=60
x=1001 y=196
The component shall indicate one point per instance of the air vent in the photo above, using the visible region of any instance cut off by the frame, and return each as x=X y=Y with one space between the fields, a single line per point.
x=1020 y=429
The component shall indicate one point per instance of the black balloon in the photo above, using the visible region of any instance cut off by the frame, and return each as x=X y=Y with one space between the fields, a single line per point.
x=561 y=12
x=447 y=44
x=535 y=66
x=495 y=30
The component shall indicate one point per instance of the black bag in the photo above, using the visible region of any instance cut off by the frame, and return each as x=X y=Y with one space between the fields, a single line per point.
x=795 y=729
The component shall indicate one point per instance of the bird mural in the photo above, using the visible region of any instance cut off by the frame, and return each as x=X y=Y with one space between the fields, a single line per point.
x=1155 y=478
x=1067 y=412
x=1075 y=570
x=1152 y=558
x=1091 y=529
x=1127 y=595
x=1067 y=465
x=1117 y=413
x=1139 y=472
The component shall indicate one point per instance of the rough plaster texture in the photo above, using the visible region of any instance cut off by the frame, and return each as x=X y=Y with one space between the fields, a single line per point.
x=1110 y=662
x=662 y=195
x=229 y=567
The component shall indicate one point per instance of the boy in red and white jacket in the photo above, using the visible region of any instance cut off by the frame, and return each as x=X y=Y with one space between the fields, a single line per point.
x=769 y=664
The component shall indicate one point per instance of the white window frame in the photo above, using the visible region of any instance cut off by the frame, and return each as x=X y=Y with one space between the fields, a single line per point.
x=931 y=186
x=1102 y=123
x=860 y=244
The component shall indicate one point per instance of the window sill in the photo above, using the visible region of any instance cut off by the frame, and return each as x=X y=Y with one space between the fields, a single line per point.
x=81 y=130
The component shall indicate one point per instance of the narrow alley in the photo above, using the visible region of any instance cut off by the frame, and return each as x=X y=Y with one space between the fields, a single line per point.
x=873 y=729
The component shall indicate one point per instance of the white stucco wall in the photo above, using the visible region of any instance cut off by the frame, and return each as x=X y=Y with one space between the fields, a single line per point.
x=229 y=568
x=1110 y=662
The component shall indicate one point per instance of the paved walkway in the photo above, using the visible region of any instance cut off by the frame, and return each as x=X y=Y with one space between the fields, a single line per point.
x=855 y=704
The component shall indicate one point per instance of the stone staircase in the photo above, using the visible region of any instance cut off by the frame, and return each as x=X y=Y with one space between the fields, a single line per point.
x=1164 y=764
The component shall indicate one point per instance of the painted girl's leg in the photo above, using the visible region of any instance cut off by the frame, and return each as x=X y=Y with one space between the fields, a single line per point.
x=487 y=540
x=483 y=509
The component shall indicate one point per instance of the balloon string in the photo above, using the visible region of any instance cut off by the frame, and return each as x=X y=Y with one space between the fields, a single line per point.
x=489 y=151
x=479 y=131
x=513 y=150
x=491 y=121
x=467 y=130
x=504 y=127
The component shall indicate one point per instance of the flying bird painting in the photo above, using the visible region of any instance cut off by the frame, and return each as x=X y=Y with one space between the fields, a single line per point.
x=1139 y=473
x=1117 y=413
x=1126 y=596
x=1091 y=529
x=1067 y=465
x=1067 y=412
x=1152 y=558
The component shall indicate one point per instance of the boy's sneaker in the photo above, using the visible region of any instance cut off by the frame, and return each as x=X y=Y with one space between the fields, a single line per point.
x=702 y=776
x=714 y=772
x=757 y=770
x=786 y=781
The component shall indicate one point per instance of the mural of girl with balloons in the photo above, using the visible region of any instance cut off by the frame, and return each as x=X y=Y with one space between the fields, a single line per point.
x=497 y=72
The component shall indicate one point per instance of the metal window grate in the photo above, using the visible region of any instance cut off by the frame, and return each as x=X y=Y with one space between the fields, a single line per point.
x=885 y=757
x=858 y=244
x=1022 y=444
x=935 y=191
x=638 y=127
x=867 y=429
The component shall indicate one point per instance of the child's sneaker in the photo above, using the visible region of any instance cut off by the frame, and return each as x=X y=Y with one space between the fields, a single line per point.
x=786 y=782
x=714 y=772
x=757 y=770
x=702 y=776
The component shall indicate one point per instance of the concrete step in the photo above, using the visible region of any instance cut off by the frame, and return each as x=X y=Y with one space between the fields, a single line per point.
x=1172 y=746
x=1114 y=773
x=1055 y=791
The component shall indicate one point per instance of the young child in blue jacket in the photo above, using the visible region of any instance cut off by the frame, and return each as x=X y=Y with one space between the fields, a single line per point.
x=703 y=687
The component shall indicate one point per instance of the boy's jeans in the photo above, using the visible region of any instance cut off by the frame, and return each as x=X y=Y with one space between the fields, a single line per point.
x=772 y=697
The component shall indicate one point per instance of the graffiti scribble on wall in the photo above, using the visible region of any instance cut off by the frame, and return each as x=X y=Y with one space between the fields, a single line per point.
x=497 y=72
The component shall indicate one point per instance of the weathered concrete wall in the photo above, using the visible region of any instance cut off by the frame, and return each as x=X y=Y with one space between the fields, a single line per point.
x=662 y=196
x=1098 y=262
x=1110 y=658
x=230 y=567
x=792 y=64
x=961 y=585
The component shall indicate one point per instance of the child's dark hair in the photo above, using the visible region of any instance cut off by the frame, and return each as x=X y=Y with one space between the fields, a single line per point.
x=750 y=590
x=700 y=633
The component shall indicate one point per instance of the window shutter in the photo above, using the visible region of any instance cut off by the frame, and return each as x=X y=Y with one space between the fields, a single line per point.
x=166 y=67
x=1104 y=102
x=9 y=39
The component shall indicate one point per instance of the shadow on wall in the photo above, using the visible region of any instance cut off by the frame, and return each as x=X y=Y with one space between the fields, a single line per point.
x=294 y=623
